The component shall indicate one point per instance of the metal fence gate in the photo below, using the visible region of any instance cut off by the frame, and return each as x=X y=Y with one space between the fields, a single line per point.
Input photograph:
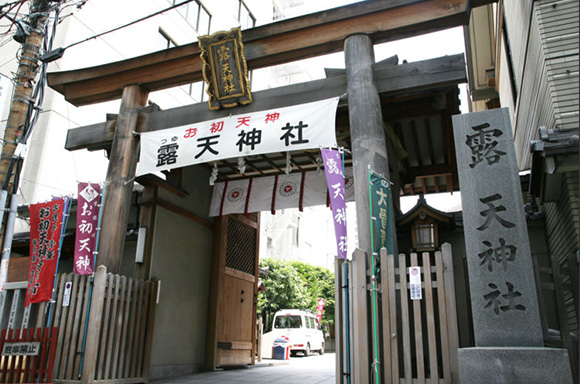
x=110 y=342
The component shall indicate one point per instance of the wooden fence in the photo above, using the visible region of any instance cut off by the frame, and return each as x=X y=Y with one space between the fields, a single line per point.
x=425 y=345
x=418 y=339
x=105 y=326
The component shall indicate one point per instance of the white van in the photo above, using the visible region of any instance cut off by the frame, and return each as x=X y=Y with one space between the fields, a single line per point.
x=300 y=328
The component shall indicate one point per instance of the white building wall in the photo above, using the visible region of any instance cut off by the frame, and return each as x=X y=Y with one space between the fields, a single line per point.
x=543 y=42
x=50 y=170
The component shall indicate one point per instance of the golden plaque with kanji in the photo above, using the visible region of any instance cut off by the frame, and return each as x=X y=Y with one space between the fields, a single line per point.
x=224 y=69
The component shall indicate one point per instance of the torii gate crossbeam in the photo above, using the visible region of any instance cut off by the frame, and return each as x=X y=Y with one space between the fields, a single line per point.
x=277 y=43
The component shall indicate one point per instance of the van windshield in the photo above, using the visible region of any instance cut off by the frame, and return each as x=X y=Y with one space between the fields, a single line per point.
x=288 y=321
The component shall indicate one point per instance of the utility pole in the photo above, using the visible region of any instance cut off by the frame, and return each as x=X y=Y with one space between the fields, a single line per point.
x=32 y=37
x=22 y=98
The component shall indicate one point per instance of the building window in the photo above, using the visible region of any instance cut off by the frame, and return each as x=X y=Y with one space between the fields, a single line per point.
x=196 y=15
x=245 y=17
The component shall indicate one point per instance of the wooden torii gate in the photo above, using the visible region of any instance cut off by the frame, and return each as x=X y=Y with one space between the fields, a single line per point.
x=354 y=28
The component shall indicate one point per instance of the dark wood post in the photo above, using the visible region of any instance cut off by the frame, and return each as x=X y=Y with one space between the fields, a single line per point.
x=369 y=149
x=119 y=183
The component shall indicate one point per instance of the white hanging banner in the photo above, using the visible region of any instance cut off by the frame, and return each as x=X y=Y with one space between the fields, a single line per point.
x=271 y=193
x=298 y=127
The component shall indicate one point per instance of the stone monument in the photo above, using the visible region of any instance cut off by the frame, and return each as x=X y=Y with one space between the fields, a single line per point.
x=509 y=345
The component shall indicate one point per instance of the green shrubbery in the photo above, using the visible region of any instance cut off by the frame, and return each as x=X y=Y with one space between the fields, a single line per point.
x=295 y=285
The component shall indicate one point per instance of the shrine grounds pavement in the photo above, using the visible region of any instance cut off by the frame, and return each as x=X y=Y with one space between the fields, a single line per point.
x=313 y=369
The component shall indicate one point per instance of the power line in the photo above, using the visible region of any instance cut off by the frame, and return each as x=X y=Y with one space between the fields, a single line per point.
x=126 y=25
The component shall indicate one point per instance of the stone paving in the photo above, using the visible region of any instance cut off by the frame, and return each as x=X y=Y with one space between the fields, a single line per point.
x=313 y=369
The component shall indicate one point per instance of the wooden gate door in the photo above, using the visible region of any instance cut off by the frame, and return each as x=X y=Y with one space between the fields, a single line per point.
x=421 y=336
x=232 y=318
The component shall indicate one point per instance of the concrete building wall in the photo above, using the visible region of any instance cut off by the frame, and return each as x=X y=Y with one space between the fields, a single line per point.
x=543 y=46
x=181 y=260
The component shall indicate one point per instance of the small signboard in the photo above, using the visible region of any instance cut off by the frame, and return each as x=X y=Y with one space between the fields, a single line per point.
x=3 y=273
x=224 y=69
x=415 y=283
x=67 y=292
x=31 y=348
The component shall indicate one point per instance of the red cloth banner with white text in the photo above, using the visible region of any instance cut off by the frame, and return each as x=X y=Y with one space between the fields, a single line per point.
x=86 y=233
x=45 y=231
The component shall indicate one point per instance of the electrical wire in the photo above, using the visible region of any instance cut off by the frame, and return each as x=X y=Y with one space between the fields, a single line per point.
x=128 y=24
x=36 y=105
x=38 y=93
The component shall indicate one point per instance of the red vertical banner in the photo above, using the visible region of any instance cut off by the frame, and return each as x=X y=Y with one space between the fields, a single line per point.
x=320 y=309
x=45 y=230
x=87 y=223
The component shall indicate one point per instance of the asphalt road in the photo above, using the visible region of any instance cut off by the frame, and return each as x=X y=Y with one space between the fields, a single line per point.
x=313 y=369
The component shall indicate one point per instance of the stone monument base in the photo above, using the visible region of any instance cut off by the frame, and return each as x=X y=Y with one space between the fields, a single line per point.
x=514 y=365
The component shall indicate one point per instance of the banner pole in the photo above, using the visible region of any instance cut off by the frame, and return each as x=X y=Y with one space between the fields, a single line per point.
x=65 y=216
x=8 y=237
x=373 y=286
x=95 y=253
x=347 y=304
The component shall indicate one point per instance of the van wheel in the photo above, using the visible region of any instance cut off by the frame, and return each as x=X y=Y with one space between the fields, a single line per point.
x=321 y=350
x=307 y=350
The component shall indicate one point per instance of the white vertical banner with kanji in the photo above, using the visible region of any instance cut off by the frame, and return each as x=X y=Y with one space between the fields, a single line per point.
x=304 y=126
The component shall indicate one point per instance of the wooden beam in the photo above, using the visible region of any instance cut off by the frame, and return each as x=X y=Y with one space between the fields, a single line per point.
x=428 y=171
x=153 y=180
x=433 y=73
x=176 y=209
x=119 y=186
x=277 y=43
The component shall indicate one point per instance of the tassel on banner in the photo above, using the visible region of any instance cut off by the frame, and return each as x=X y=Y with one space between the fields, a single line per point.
x=241 y=165
x=214 y=174
x=288 y=168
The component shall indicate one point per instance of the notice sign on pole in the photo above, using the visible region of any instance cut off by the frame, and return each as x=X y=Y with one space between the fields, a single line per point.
x=415 y=283
x=21 y=349
x=67 y=293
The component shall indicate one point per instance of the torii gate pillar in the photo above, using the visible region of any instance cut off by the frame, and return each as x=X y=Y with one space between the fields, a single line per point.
x=119 y=182
x=368 y=149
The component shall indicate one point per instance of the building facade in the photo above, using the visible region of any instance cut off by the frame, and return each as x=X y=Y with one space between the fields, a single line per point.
x=524 y=56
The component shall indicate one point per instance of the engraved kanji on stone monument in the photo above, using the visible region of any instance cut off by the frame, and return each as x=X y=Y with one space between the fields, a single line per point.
x=501 y=278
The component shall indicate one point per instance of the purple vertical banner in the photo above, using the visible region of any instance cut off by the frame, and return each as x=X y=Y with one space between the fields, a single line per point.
x=87 y=222
x=335 y=181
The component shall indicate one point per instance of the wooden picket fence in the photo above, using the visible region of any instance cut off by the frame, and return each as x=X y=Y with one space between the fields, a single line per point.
x=426 y=340
x=418 y=339
x=109 y=343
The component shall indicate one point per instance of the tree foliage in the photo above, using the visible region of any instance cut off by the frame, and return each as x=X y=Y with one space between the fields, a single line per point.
x=295 y=285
